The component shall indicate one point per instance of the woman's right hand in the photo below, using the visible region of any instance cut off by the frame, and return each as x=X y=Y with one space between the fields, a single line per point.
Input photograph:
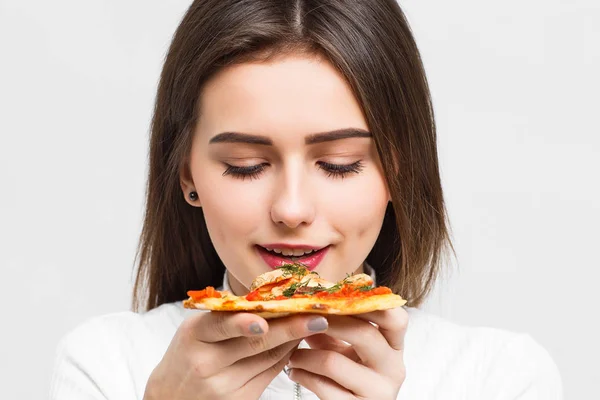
x=221 y=355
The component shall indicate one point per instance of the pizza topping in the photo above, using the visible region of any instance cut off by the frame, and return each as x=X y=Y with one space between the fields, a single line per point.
x=315 y=280
x=294 y=287
x=343 y=292
x=278 y=290
x=358 y=280
x=294 y=270
x=270 y=286
x=267 y=291
x=350 y=292
x=287 y=271
x=296 y=281
x=309 y=285
x=365 y=288
x=253 y=296
x=268 y=278
x=380 y=290
x=204 y=293
x=341 y=289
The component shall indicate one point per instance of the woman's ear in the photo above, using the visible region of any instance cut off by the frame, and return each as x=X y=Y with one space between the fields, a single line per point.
x=190 y=194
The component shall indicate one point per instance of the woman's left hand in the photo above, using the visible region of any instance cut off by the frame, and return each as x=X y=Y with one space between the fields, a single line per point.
x=371 y=366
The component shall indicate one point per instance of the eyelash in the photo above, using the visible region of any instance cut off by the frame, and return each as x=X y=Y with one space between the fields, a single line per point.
x=332 y=170
x=340 y=171
x=242 y=173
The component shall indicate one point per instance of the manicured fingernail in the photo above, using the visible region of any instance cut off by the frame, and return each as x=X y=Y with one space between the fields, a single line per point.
x=256 y=329
x=317 y=324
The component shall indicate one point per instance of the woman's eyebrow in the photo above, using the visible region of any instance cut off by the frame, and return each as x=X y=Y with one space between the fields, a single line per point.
x=238 y=137
x=336 y=135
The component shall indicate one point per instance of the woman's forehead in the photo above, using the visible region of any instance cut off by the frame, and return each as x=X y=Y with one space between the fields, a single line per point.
x=293 y=93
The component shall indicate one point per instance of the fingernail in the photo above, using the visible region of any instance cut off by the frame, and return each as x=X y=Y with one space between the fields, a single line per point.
x=256 y=329
x=317 y=324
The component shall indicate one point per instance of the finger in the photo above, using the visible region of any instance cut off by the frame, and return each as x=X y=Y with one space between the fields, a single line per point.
x=256 y=386
x=246 y=369
x=326 y=342
x=323 y=341
x=367 y=341
x=392 y=324
x=216 y=326
x=282 y=330
x=323 y=387
x=338 y=368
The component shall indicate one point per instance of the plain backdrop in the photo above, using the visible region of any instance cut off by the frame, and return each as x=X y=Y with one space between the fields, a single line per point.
x=516 y=90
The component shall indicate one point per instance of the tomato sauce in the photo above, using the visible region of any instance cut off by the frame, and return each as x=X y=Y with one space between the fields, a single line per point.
x=256 y=295
x=253 y=296
x=349 y=291
x=270 y=286
x=204 y=293
x=345 y=292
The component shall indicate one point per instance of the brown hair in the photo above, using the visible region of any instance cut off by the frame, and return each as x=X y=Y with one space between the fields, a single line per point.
x=370 y=43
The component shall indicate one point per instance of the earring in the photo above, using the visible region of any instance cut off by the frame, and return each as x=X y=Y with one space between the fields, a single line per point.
x=193 y=196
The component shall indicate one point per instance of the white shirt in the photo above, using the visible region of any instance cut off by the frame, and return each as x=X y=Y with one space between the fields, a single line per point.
x=111 y=357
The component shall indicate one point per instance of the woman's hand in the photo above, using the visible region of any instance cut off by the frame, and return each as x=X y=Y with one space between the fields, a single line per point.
x=370 y=367
x=220 y=355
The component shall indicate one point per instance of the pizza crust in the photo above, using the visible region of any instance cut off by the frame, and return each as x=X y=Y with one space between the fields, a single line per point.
x=311 y=305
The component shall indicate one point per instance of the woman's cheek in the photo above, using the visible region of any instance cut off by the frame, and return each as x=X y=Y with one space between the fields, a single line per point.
x=236 y=212
x=232 y=207
x=358 y=203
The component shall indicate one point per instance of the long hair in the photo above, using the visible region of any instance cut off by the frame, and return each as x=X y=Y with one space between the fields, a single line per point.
x=371 y=45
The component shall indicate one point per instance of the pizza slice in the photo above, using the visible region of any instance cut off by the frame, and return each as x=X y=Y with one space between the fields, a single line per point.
x=293 y=289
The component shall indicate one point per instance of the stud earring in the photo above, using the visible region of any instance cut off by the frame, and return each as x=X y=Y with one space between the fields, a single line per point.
x=193 y=196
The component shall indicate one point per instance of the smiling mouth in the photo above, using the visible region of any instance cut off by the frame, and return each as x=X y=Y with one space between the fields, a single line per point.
x=293 y=255
x=276 y=257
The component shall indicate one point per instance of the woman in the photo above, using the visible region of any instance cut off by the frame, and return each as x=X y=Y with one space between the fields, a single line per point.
x=293 y=131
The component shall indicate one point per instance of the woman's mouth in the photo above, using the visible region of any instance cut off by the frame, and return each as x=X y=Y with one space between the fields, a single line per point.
x=275 y=256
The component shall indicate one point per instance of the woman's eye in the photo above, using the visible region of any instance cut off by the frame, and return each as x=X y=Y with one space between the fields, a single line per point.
x=252 y=171
x=332 y=170
x=340 y=170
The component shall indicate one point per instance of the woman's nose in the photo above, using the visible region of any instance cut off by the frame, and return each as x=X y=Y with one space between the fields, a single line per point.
x=292 y=205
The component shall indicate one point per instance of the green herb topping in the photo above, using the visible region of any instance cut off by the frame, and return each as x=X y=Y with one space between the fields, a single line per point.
x=293 y=269
x=289 y=292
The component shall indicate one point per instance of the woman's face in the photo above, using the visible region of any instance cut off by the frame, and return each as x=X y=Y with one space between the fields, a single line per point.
x=284 y=165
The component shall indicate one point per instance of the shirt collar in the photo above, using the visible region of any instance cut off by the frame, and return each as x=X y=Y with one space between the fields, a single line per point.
x=368 y=270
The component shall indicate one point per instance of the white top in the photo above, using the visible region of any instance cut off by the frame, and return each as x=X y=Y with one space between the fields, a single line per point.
x=111 y=357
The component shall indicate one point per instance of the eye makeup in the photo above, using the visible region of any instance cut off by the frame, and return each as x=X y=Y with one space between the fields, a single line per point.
x=331 y=170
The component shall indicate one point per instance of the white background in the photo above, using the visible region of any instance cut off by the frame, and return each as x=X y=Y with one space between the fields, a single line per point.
x=516 y=91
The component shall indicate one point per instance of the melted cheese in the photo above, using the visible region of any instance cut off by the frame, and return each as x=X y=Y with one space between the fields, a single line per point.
x=359 y=280
x=314 y=280
x=268 y=277
x=311 y=279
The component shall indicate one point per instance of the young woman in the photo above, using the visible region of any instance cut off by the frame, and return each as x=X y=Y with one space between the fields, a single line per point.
x=283 y=131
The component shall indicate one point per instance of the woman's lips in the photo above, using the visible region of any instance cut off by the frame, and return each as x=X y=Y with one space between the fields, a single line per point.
x=311 y=261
